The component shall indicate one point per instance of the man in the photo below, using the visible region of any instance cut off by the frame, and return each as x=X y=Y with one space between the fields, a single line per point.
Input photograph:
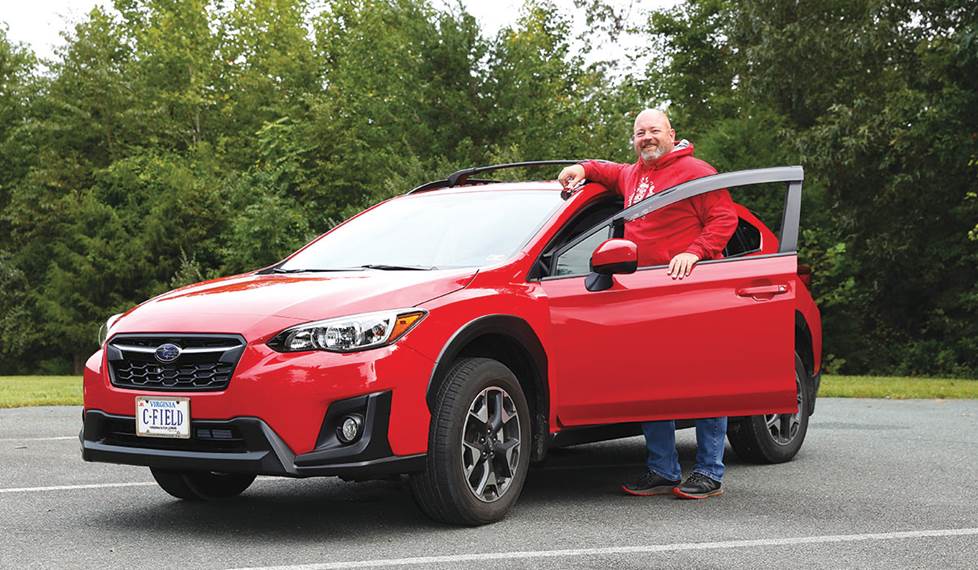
x=678 y=235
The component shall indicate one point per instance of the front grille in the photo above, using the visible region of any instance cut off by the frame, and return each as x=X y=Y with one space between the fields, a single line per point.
x=206 y=362
x=156 y=375
x=209 y=341
x=219 y=437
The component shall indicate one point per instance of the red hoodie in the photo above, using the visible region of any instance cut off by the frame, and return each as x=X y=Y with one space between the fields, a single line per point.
x=701 y=225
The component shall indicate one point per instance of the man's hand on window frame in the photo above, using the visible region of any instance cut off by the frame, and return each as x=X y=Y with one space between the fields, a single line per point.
x=571 y=177
x=681 y=265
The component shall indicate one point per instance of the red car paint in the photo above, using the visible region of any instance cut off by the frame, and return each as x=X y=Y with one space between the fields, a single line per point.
x=614 y=252
x=650 y=347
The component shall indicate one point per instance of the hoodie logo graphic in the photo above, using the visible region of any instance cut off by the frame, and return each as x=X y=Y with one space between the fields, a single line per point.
x=644 y=189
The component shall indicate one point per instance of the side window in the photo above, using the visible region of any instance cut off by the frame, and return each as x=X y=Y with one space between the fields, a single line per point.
x=760 y=208
x=577 y=260
x=746 y=239
x=593 y=214
x=769 y=200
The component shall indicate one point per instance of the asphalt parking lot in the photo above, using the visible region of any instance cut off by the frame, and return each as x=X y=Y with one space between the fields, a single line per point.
x=878 y=484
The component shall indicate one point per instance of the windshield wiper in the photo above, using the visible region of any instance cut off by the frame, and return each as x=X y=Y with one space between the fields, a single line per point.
x=309 y=270
x=379 y=266
x=384 y=267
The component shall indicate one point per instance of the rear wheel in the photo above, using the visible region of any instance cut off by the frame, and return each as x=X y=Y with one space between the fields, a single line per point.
x=479 y=446
x=774 y=438
x=202 y=485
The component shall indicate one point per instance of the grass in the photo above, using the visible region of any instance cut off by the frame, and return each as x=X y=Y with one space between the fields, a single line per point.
x=18 y=391
x=897 y=388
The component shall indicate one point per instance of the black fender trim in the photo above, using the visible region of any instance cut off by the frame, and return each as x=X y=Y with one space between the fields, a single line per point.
x=519 y=331
x=803 y=346
x=816 y=383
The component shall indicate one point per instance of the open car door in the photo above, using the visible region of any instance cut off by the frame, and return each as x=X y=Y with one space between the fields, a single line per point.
x=717 y=343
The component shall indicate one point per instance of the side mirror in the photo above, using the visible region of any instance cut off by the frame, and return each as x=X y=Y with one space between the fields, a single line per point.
x=614 y=256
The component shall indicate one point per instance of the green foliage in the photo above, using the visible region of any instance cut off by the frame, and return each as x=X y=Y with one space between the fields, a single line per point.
x=17 y=86
x=971 y=203
x=878 y=99
x=16 y=315
x=264 y=226
x=172 y=141
x=547 y=103
x=20 y=391
x=179 y=140
x=897 y=388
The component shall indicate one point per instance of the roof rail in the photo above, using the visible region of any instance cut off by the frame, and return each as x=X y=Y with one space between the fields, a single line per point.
x=462 y=176
x=444 y=184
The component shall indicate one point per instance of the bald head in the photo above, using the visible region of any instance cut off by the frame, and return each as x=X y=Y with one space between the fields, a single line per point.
x=653 y=136
x=657 y=116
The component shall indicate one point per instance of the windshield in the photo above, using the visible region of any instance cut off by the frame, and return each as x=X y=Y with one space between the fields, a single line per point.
x=433 y=230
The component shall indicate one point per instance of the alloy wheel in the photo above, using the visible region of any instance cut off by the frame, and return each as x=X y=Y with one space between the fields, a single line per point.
x=784 y=427
x=491 y=444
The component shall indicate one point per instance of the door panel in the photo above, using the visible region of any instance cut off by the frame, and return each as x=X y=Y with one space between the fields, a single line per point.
x=717 y=343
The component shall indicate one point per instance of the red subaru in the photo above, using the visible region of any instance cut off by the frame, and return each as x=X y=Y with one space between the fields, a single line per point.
x=454 y=334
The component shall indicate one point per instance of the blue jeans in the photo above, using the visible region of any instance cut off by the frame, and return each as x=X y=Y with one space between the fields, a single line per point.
x=660 y=439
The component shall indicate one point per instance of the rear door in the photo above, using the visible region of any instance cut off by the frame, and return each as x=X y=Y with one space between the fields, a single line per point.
x=718 y=343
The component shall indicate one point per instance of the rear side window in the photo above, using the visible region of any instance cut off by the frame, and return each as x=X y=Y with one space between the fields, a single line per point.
x=746 y=239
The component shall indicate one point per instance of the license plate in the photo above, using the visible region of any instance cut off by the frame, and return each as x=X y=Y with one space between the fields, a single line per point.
x=163 y=417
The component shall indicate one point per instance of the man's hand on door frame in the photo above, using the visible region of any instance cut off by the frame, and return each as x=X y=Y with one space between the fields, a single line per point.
x=681 y=265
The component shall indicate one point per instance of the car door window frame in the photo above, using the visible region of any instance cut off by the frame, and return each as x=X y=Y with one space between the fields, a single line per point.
x=544 y=264
x=793 y=176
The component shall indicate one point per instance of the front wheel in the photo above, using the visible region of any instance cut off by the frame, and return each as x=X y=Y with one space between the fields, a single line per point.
x=478 y=448
x=773 y=438
x=202 y=485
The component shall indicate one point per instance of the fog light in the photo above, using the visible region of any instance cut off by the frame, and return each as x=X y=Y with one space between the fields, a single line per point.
x=350 y=428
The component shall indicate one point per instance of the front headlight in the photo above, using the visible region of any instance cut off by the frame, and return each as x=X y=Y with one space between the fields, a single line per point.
x=348 y=334
x=104 y=330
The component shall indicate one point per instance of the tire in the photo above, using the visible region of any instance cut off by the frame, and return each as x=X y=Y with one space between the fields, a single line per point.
x=202 y=485
x=478 y=456
x=774 y=438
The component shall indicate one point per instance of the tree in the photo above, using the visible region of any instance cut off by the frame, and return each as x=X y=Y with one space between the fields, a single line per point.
x=546 y=102
x=877 y=99
x=17 y=86
x=269 y=69
x=176 y=140
x=68 y=132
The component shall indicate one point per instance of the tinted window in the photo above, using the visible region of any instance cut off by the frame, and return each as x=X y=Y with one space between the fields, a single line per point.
x=584 y=220
x=577 y=260
x=746 y=239
x=448 y=229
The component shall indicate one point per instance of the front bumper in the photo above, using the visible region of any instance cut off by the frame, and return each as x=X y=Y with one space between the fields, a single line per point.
x=249 y=445
x=291 y=392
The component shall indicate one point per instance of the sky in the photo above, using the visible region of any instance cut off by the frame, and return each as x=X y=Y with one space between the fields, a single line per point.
x=38 y=23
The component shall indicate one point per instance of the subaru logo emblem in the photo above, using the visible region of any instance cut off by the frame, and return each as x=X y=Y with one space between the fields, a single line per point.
x=168 y=352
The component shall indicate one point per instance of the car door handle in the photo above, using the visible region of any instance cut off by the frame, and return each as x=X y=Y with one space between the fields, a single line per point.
x=762 y=292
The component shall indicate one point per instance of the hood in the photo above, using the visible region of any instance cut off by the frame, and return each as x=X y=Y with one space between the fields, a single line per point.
x=682 y=148
x=256 y=305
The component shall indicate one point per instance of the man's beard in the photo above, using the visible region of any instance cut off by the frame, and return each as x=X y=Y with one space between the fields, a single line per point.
x=652 y=153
